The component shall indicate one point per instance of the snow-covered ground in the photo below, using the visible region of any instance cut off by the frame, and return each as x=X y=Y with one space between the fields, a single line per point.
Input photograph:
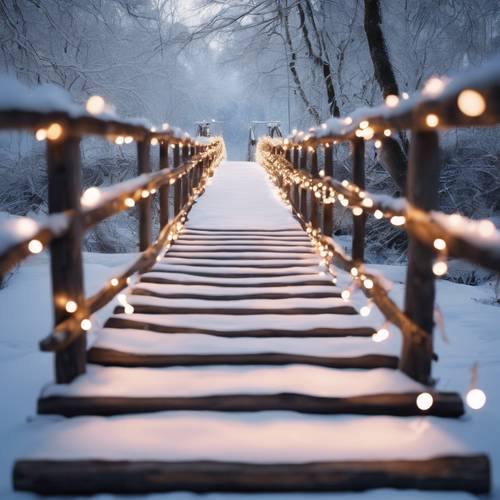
x=471 y=327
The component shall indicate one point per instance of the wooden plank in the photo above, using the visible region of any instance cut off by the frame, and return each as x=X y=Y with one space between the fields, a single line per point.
x=423 y=185
x=469 y=473
x=272 y=243
x=239 y=250
x=207 y=255
x=225 y=298
x=233 y=311
x=246 y=231
x=122 y=322
x=63 y=170
x=194 y=272
x=446 y=404
x=172 y=281
x=189 y=262
x=110 y=357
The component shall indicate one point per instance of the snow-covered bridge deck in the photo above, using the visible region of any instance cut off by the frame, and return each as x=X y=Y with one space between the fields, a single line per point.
x=241 y=369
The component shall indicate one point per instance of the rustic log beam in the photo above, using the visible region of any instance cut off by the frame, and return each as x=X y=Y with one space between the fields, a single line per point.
x=358 y=178
x=163 y=190
x=145 y=215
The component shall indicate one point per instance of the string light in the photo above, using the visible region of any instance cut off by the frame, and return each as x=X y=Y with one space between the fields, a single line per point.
x=432 y=120
x=405 y=95
x=368 y=283
x=398 y=220
x=71 y=306
x=381 y=335
x=357 y=211
x=90 y=197
x=378 y=214
x=35 y=246
x=119 y=140
x=154 y=141
x=471 y=103
x=424 y=401
x=475 y=399
x=129 y=202
x=364 y=124
x=128 y=309
x=114 y=281
x=54 y=132
x=346 y=294
x=41 y=134
x=165 y=126
x=86 y=324
x=434 y=86
x=391 y=101
x=439 y=244
x=378 y=144
x=348 y=120
x=144 y=193
x=354 y=271
x=95 y=105
x=387 y=132
x=366 y=310
x=128 y=139
x=440 y=268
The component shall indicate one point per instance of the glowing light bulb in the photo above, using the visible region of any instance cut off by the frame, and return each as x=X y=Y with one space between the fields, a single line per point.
x=128 y=139
x=439 y=244
x=398 y=220
x=129 y=202
x=86 y=324
x=321 y=173
x=434 y=86
x=348 y=120
x=486 y=228
x=387 y=132
x=41 y=134
x=354 y=271
x=365 y=311
x=144 y=193
x=475 y=399
x=367 y=202
x=440 y=268
x=405 y=95
x=432 y=120
x=381 y=335
x=128 y=309
x=424 y=401
x=95 y=105
x=378 y=144
x=54 y=132
x=90 y=197
x=391 y=101
x=364 y=124
x=119 y=140
x=154 y=141
x=471 y=103
x=368 y=283
x=357 y=211
x=35 y=246
x=345 y=294
x=165 y=126
x=71 y=306
x=378 y=214
x=114 y=281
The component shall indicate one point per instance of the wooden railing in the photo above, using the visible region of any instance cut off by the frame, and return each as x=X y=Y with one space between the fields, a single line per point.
x=184 y=167
x=472 y=100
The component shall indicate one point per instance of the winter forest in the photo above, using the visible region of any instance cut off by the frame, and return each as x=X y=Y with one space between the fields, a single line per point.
x=296 y=62
x=250 y=249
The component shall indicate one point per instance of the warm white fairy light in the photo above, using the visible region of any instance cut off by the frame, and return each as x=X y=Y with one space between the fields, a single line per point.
x=471 y=103
x=367 y=203
x=145 y=193
x=119 y=140
x=128 y=139
x=95 y=105
x=54 y=132
x=71 y=306
x=378 y=214
x=354 y=271
x=86 y=324
x=424 y=401
x=475 y=399
x=114 y=281
x=35 y=246
x=41 y=134
x=398 y=220
x=357 y=211
x=381 y=335
x=364 y=124
x=439 y=244
x=321 y=173
x=405 y=95
x=440 y=268
x=387 y=132
x=366 y=310
x=129 y=202
x=154 y=141
x=433 y=87
x=368 y=283
x=486 y=228
x=128 y=309
x=165 y=126
x=432 y=120
x=391 y=101
x=90 y=197
x=378 y=144
x=346 y=294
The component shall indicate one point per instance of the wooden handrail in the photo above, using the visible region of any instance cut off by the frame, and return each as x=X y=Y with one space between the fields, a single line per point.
x=471 y=100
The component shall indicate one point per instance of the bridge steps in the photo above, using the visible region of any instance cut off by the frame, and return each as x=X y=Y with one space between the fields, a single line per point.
x=242 y=370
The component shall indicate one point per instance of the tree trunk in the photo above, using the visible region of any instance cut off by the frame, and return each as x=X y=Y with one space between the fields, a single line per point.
x=393 y=156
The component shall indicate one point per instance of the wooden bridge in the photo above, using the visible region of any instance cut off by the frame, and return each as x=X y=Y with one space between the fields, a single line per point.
x=235 y=359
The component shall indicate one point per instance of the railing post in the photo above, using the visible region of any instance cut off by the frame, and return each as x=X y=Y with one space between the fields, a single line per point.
x=177 y=185
x=145 y=222
x=328 y=209
x=358 y=178
x=296 y=189
x=163 y=191
x=422 y=192
x=314 y=204
x=303 y=192
x=63 y=168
